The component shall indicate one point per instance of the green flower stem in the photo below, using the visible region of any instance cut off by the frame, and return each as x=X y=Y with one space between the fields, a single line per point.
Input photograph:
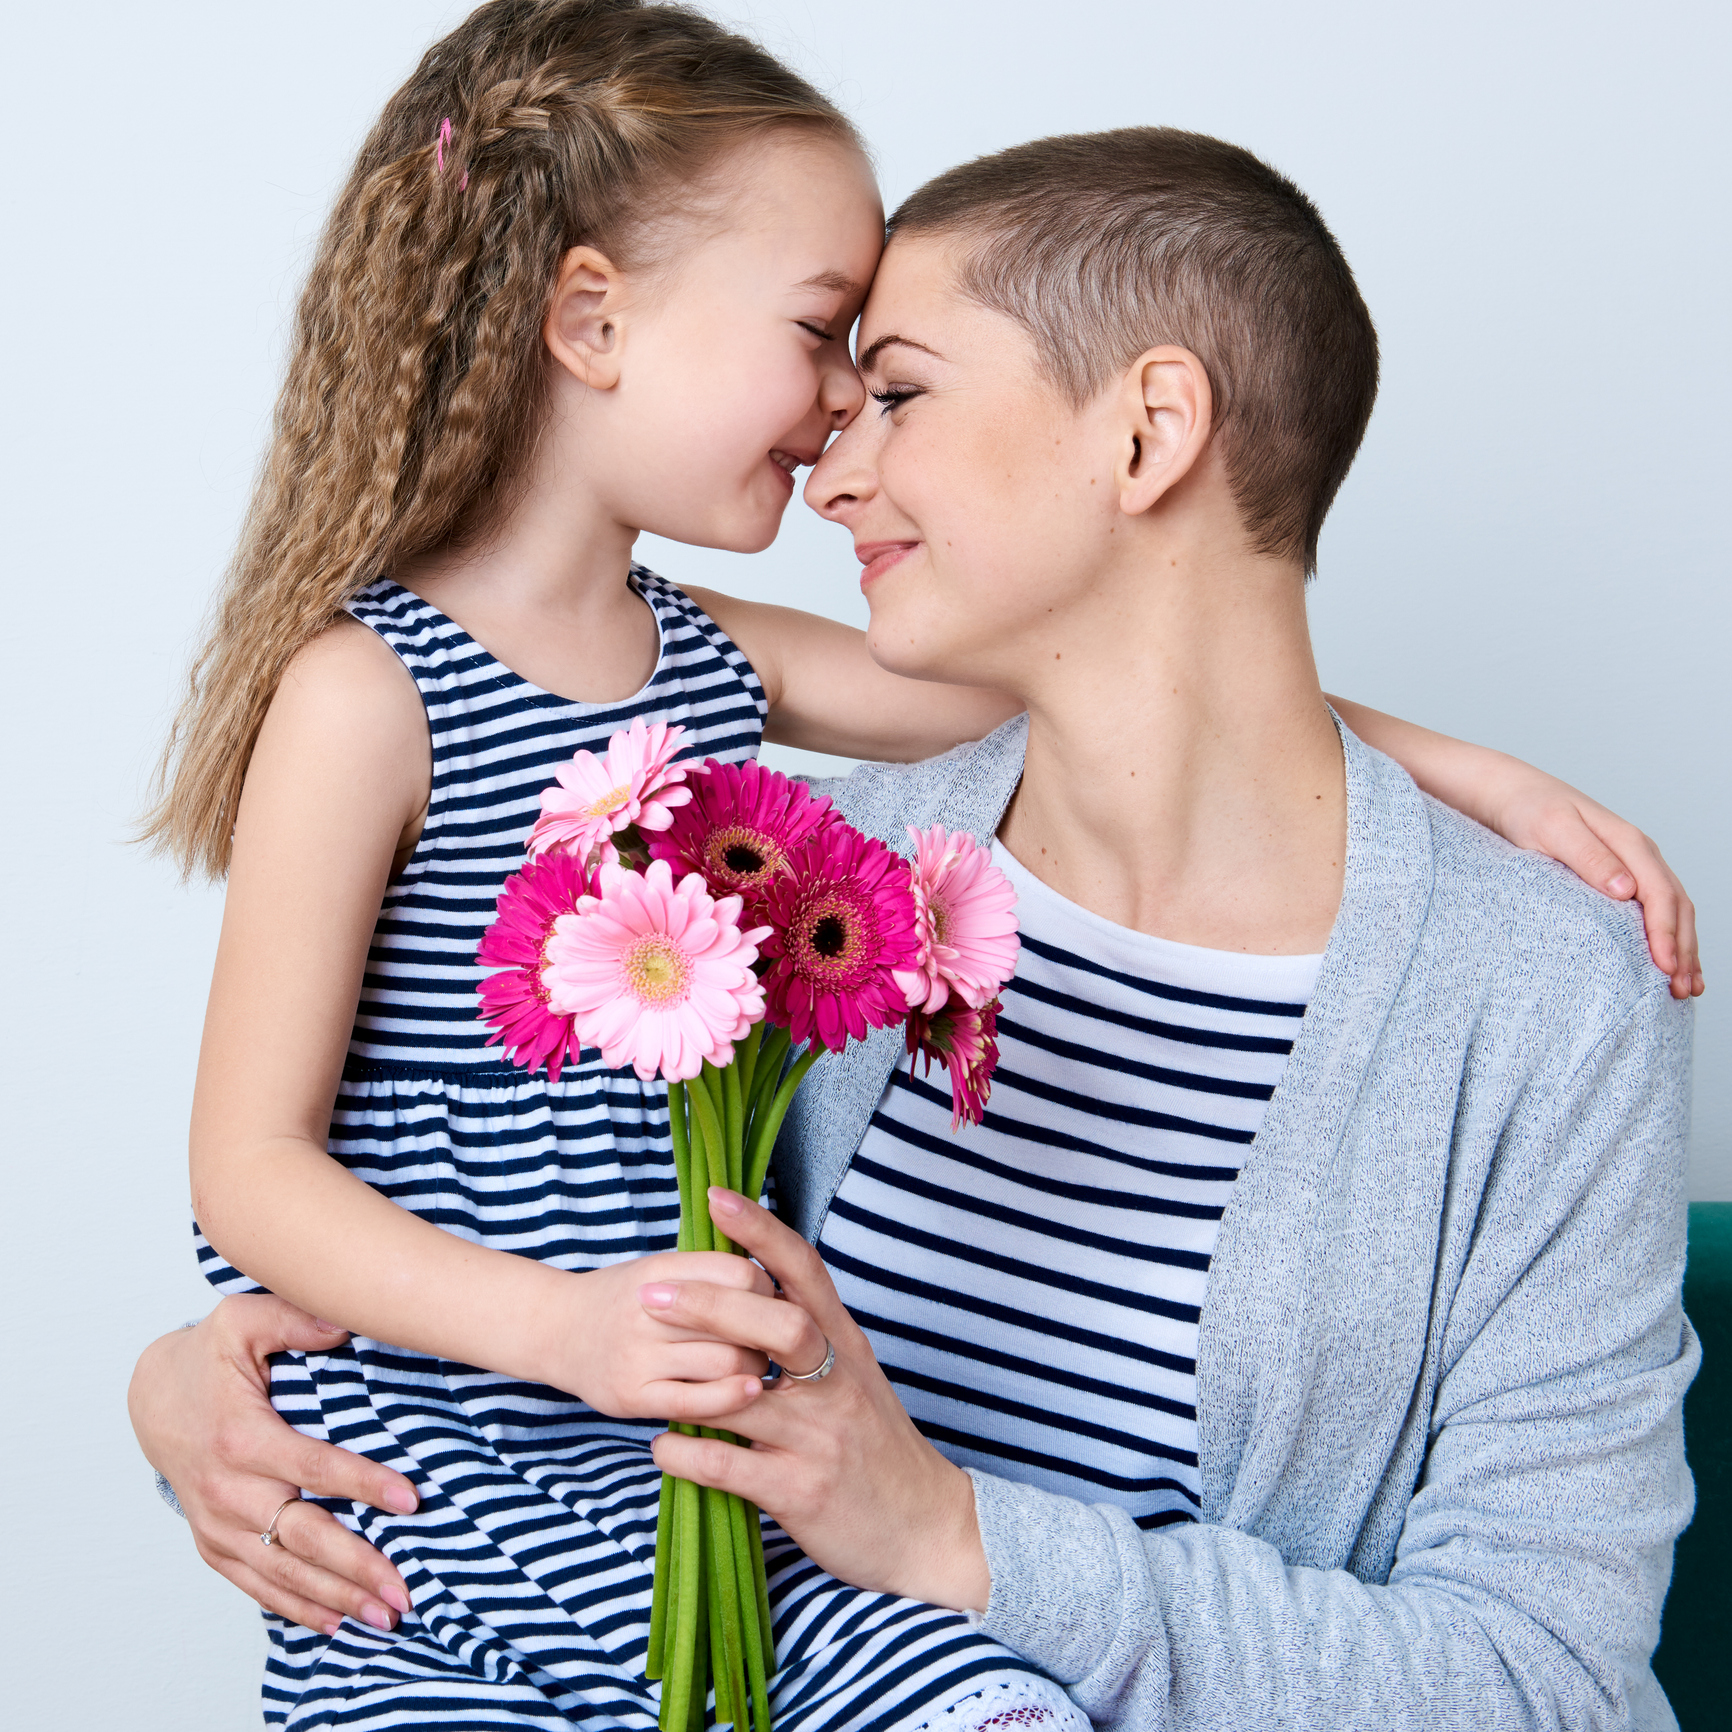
x=733 y=1123
x=680 y=1137
x=771 y=1057
x=726 y=1654
x=681 y=1682
x=746 y=1059
x=664 y=1568
x=755 y=1634
x=761 y=1578
x=715 y=1166
x=770 y=1120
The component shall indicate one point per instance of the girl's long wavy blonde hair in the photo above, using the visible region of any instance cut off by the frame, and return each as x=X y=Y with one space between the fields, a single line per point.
x=416 y=386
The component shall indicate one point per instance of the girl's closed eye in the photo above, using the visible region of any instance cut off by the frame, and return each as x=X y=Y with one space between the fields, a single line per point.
x=817 y=331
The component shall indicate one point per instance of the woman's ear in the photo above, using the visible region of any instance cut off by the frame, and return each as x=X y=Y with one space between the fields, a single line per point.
x=585 y=325
x=1165 y=414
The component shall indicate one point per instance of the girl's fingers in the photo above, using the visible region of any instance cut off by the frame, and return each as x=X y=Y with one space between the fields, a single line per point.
x=700 y=1403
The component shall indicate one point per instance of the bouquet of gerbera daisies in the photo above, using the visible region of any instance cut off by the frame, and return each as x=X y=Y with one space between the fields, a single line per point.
x=720 y=927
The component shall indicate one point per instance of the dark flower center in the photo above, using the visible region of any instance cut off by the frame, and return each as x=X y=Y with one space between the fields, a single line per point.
x=830 y=936
x=742 y=859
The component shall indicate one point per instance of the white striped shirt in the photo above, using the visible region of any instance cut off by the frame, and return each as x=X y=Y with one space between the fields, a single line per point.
x=1032 y=1286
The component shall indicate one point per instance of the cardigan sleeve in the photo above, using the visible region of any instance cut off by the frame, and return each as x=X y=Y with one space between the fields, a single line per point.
x=1536 y=1548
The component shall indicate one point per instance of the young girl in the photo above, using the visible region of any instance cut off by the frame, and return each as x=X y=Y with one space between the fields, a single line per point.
x=592 y=275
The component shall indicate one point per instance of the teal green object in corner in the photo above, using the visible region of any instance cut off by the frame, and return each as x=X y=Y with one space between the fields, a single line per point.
x=1691 y=1663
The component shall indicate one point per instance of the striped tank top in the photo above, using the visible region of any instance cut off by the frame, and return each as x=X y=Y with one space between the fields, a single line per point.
x=530 y=1560
x=1032 y=1285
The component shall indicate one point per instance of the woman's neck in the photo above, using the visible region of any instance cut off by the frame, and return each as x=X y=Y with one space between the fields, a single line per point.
x=1184 y=777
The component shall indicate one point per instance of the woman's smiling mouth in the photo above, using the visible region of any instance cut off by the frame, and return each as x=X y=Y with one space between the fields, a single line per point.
x=878 y=557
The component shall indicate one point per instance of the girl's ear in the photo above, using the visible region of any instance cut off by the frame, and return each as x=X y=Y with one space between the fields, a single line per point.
x=584 y=328
x=1165 y=413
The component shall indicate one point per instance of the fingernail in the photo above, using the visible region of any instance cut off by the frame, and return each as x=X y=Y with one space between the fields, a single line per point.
x=1622 y=885
x=327 y=1328
x=657 y=1295
x=403 y=1501
x=377 y=1616
x=332 y=1629
x=724 y=1202
x=395 y=1597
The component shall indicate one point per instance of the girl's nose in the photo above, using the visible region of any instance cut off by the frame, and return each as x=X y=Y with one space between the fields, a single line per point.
x=840 y=392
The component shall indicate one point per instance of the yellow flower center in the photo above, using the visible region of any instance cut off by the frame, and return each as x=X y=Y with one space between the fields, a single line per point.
x=656 y=970
x=611 y=801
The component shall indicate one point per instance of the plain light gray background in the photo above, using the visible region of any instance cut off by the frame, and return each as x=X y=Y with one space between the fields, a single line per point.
x=1530 y=552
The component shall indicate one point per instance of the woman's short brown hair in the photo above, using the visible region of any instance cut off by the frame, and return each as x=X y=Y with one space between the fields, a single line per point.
x=1105 y=244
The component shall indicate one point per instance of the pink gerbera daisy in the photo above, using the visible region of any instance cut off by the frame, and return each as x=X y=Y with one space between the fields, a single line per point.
x=965 y=1041
x=965 y=917
x=740 y=827
x=636 y=783
x=658 y=975
x=842 y=923
x=515 y=1001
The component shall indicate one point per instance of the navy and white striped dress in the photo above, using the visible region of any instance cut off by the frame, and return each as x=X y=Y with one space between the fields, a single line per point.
x=529 y=1563
x=1032 y=1286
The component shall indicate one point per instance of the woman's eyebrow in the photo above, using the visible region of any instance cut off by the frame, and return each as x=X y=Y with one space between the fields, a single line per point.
x=889 y=341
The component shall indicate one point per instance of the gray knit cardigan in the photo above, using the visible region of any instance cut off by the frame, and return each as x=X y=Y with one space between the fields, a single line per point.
x=1442 y=1355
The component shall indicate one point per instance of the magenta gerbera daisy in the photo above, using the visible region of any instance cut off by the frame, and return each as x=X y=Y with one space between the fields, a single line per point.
x=740 y=827
x=514 y=1001
x=841 y=923
x=658 y=975
x=636 y=783
x=965 y=1041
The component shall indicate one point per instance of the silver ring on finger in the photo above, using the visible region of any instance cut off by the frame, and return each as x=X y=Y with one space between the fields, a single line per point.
x=270 y=1537
x=821 y=1373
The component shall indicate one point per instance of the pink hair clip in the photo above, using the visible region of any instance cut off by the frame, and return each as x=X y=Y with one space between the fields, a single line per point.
x=439 y=145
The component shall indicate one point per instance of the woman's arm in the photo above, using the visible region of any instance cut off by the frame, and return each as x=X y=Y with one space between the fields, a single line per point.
x=337 y=782
x=1532 y=1563
x=1533 y=810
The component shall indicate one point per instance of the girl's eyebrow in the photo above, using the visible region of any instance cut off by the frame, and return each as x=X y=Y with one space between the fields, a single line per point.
x=891 y=340
x=840 y=281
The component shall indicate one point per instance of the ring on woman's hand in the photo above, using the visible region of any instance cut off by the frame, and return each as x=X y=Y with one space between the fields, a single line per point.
x=821 y=1373
x=270 y=1537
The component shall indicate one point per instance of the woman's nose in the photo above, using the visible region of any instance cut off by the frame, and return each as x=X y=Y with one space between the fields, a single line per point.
x=842 y=478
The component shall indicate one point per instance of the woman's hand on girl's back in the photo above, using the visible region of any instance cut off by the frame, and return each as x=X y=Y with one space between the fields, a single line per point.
x=200 y=1403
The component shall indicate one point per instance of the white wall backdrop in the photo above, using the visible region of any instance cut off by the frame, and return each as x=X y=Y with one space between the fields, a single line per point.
x=1531 y=550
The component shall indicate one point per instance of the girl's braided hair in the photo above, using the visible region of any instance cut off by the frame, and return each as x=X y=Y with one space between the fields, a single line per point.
x=417 y=384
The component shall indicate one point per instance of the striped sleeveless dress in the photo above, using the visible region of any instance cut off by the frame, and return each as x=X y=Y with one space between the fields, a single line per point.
x=529 y=1562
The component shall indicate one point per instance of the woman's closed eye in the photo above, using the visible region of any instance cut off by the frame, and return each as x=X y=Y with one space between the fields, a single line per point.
x=893 y=395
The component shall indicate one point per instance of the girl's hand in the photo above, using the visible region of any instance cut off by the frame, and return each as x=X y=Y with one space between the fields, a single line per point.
x=200 y=1403
x=1533 y=810
x=1540 y=812
x=630 y=1361
x=838 y=1463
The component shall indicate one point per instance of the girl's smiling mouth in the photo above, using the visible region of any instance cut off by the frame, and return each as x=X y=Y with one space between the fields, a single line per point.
x=878 y=556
